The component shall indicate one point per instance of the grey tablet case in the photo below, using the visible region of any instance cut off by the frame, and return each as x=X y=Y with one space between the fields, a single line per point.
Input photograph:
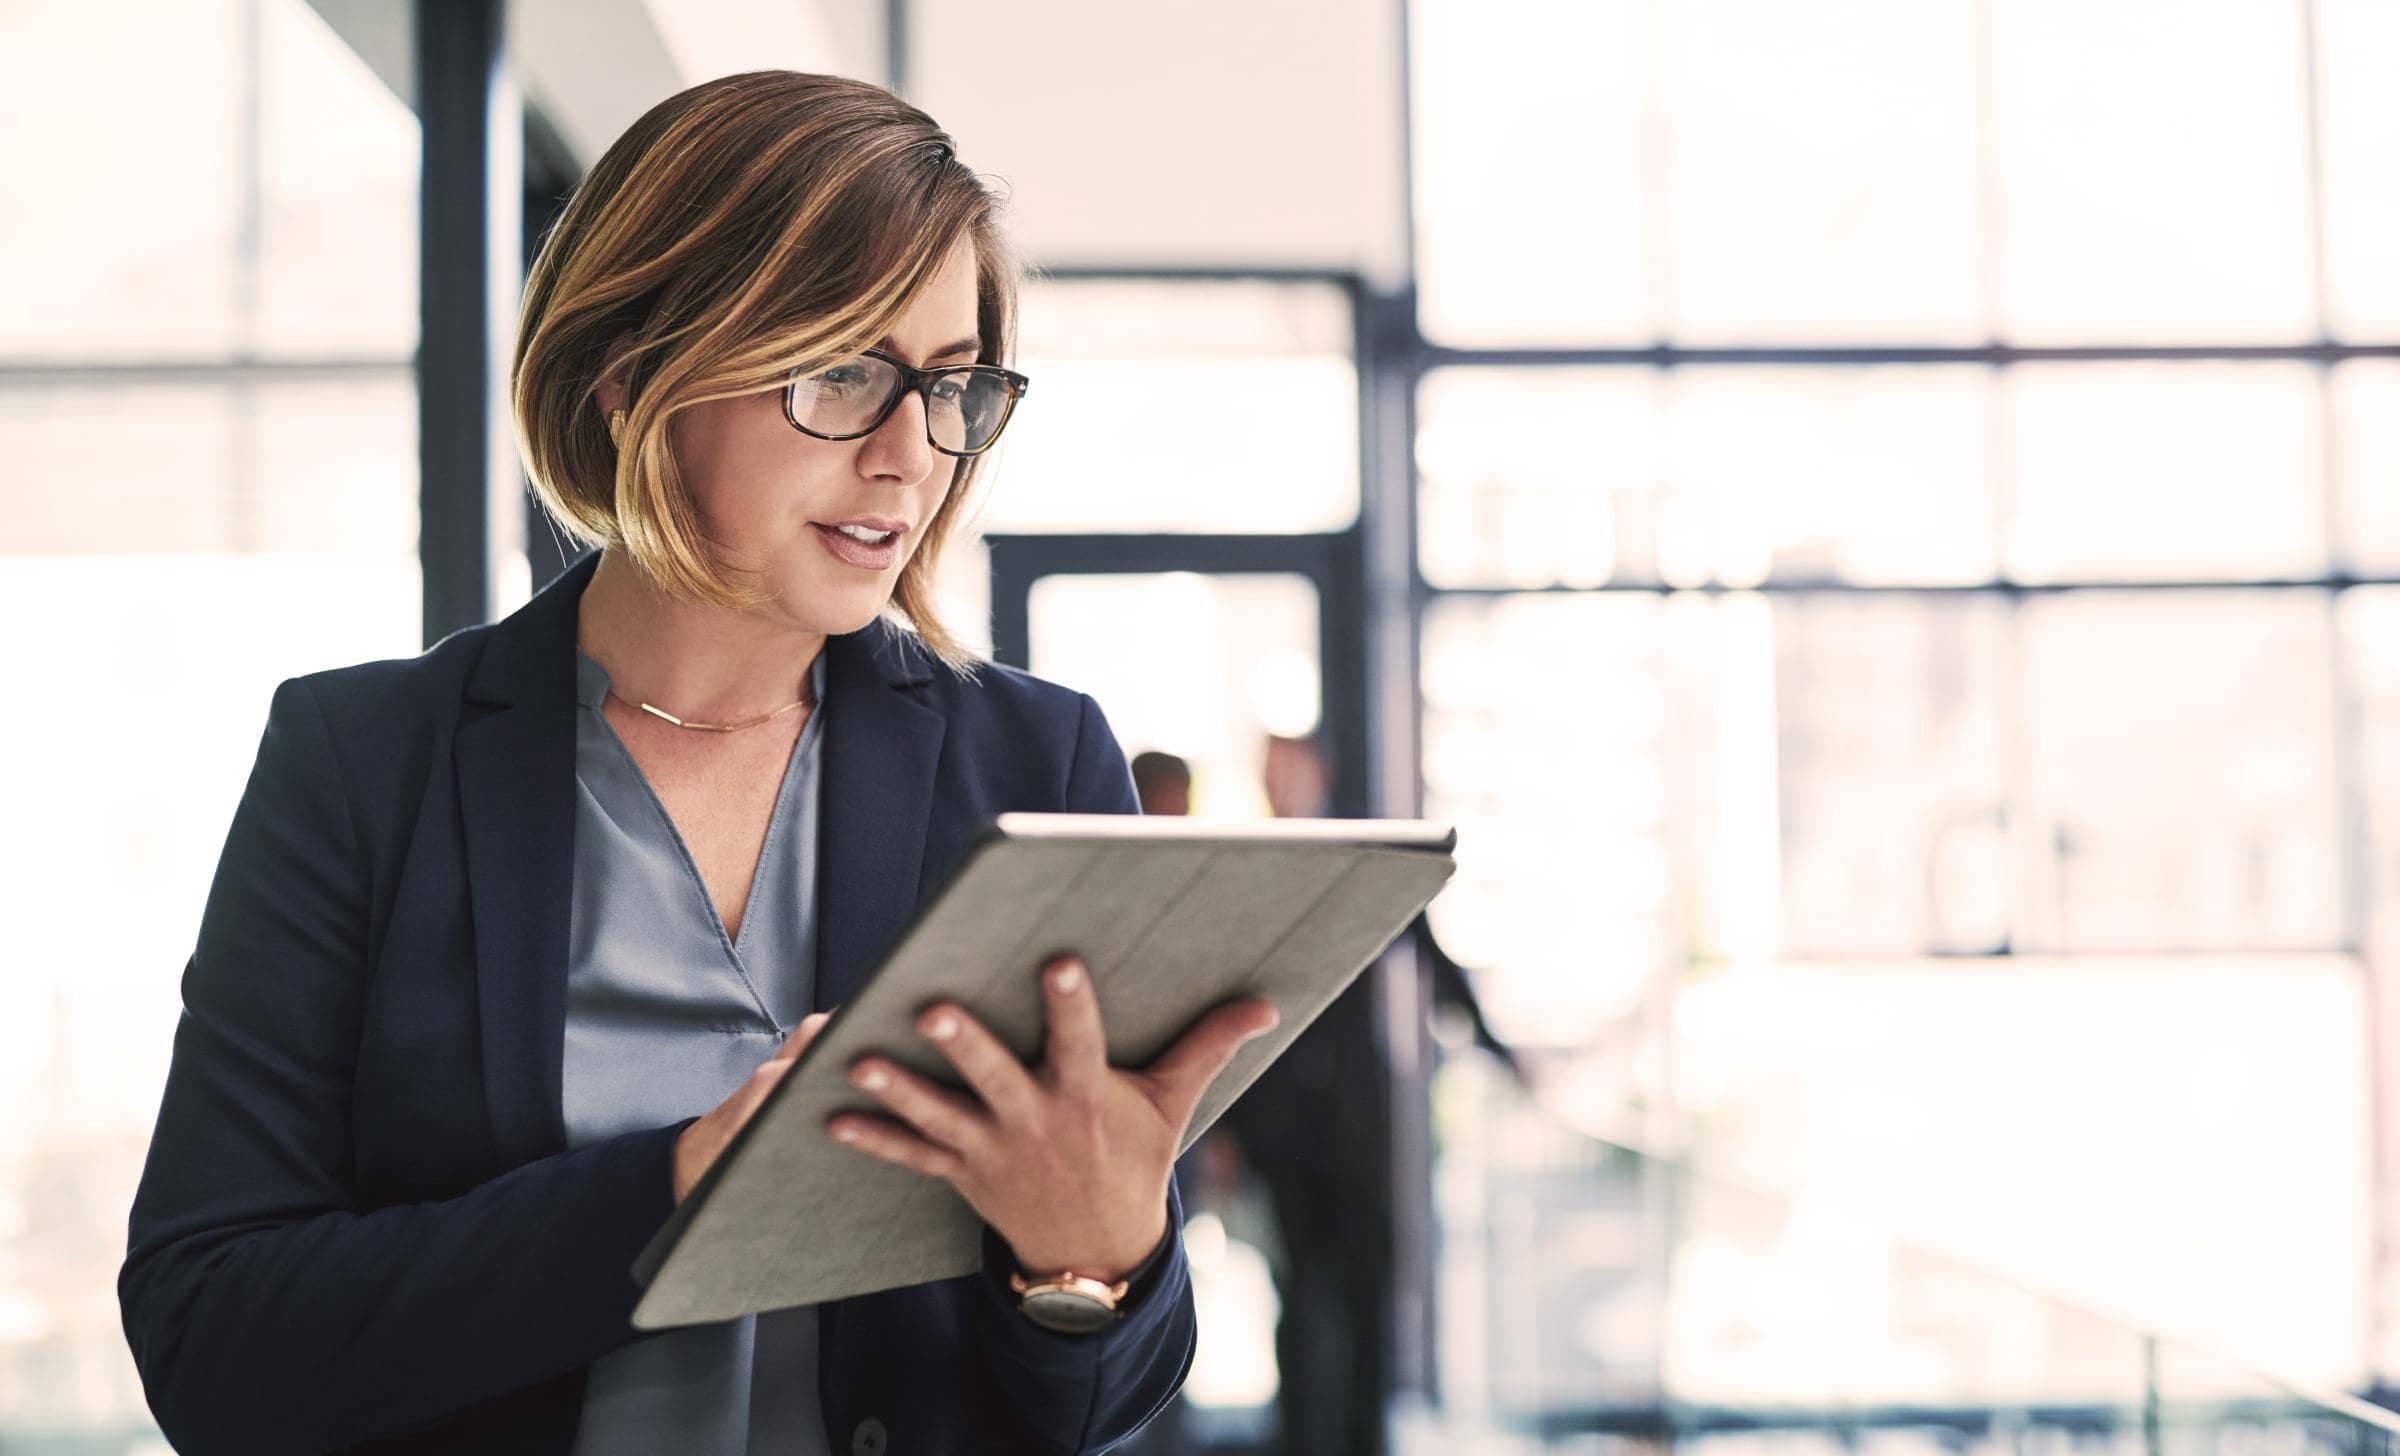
x=1173 y=916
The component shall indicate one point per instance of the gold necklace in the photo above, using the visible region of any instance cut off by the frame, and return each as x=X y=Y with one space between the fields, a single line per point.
x=707 y=727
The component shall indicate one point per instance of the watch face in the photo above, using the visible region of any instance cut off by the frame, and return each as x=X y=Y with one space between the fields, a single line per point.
x=1068 y=1313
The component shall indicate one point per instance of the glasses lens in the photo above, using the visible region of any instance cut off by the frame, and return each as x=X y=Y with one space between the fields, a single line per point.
x=968 y=408
x=845 y=398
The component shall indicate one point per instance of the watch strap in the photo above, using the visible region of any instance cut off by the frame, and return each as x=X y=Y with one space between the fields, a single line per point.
x=1119 y=1296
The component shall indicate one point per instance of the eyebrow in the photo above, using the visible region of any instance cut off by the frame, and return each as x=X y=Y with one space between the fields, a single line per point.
x=971 y=344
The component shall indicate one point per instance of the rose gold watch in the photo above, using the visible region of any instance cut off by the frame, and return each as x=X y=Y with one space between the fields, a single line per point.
x=1069 y=1302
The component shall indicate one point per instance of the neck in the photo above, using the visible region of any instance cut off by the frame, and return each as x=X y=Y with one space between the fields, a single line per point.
x=695 y=660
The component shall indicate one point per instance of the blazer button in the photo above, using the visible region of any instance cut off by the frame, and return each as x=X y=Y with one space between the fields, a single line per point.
x=868 y=1439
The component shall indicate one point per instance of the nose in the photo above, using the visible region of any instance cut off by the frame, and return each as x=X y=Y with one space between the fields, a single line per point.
x=898 y=450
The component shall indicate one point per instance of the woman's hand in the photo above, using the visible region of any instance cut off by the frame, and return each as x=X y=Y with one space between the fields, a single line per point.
x=1069 y=1161
x=702 y=1142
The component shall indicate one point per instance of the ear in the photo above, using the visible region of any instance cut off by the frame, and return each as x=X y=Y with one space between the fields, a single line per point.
x=609 y=393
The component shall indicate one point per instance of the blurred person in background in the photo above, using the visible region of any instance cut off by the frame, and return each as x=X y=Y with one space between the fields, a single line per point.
x=1298 y=775
x=1317 y=1130
x=508 y=940
x=1209 y=1172
x=1314 y=1131
x=1164 y=782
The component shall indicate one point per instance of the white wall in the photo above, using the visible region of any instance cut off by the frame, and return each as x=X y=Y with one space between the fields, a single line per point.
x=1178 y=132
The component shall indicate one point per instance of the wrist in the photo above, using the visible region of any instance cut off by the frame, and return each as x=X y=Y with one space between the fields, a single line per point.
x=1134 y=1277
x=1110 y=1270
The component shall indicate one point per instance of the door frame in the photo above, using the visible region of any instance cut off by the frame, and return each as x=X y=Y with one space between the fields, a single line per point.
x=1330 y=562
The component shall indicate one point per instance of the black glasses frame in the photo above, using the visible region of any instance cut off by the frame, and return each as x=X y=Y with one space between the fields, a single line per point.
x=913 y=380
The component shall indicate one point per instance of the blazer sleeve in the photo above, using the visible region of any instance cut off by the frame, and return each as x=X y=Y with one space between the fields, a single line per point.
x=266 y=1309
x=1088 y=1392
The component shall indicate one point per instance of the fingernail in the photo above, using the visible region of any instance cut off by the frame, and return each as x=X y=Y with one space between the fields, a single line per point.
x=845 y=1134
x=873 y=1079
x=944 y=1026
x=1067 y=977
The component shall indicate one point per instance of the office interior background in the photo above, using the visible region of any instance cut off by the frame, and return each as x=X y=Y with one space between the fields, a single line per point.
x=1878 y=521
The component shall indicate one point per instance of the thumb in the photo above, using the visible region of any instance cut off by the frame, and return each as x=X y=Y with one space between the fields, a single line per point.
x=801 y=1035
x=1185 y=1069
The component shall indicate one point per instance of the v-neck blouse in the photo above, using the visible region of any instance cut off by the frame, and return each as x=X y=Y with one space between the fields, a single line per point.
x=666 y=1017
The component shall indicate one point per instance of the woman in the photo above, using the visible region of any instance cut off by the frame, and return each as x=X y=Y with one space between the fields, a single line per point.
x=508 y=939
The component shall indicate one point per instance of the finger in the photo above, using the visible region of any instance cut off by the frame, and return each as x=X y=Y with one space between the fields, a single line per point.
x=988 y=1066
x=894 y=1144
x=1183 y=1071
x=801 y=1035
x=766 y=1074
x=736 y=1111
x=1077 y=1042
x=941 y=1115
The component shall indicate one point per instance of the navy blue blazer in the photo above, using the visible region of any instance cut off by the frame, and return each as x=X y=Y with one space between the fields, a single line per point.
x=360 y=1226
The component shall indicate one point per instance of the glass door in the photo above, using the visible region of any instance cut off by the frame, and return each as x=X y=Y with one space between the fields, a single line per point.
x=1231 y=675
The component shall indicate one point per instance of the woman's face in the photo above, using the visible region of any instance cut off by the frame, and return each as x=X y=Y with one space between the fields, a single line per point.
x=769 y=496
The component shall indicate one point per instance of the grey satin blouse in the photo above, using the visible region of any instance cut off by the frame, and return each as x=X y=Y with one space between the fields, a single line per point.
x=665 y=1018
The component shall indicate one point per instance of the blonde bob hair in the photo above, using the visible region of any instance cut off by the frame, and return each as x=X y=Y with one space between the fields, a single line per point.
x=744 y=228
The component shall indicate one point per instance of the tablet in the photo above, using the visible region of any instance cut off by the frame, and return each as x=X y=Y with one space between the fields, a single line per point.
x=1173 y=916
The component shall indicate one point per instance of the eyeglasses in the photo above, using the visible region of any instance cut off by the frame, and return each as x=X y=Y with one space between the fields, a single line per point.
x=966 y=405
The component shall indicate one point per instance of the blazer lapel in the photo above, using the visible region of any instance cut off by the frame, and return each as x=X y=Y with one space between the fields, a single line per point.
x=516 y=790
x=516 y=779
x=883 y=740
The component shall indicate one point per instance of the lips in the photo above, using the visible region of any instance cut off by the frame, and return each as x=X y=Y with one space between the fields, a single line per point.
x=872 y=556
x=889 y=525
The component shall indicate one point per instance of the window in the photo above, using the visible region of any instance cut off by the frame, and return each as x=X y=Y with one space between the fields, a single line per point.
x=210 y=424
x=1591 y=476
x=1907 y=493
x=1181 y=406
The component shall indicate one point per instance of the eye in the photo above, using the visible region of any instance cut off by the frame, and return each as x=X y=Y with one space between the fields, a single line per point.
x=950 y=389
x=843 y=376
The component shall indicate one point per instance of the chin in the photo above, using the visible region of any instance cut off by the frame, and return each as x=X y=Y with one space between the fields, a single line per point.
x=836 y=610
x=845 y=623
